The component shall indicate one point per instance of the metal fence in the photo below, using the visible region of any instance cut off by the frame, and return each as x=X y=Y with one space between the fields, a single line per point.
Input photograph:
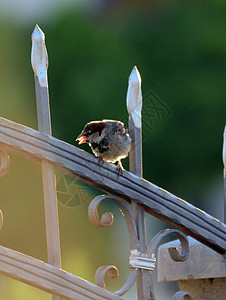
x=130 y=192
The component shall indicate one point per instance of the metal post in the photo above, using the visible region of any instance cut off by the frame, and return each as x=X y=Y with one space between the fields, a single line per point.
x=134 y=107
x=39 y=61
x=224 y=161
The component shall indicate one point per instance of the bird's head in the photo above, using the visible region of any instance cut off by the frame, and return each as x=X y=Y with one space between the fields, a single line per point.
x=90 y=129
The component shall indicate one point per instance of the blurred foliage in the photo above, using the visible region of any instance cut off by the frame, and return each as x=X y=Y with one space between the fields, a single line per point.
x=180 y=52
x=179 y=49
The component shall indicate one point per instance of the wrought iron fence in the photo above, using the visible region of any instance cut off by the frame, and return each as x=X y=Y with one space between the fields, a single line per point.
x=133 y=195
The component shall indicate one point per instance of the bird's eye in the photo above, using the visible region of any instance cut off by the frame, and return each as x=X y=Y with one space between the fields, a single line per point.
x=122 y=130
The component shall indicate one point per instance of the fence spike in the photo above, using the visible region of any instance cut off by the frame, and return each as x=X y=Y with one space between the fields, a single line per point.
x=39 y=57
x=134 y=97
x=224 y=161
x=39 y=61
x=134 y=107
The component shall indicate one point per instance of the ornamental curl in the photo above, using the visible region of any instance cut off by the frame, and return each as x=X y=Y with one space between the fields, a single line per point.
x=107 y=220
x=182 y=296
x=173 y=251
x=138 y=260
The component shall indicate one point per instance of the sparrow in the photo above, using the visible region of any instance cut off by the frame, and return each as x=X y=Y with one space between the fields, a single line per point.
x=108 y=139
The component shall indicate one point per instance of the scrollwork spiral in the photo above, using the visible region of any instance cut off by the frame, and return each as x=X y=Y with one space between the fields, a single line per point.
x=174 y=253
x=107 y=220
x=182 y=296
x=147 y=258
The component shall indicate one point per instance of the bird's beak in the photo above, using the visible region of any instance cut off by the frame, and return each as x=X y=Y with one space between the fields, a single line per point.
x=81 y=138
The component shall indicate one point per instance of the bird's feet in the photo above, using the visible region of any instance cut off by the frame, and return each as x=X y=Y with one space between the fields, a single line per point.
x=119 y=168
x=100 y=161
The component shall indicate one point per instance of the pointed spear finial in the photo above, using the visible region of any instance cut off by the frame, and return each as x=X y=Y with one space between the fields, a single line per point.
x=134 y=97
x=39 y=61
x=39 y=57
x=134 y=107
x=224 y=147
x=224 y=161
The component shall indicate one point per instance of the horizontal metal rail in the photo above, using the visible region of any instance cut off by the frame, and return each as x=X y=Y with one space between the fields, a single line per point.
x=180 y=214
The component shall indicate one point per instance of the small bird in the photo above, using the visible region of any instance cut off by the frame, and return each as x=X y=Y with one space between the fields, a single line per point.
x=108 y=139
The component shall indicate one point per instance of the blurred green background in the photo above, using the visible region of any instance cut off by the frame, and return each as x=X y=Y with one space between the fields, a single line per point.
x=179 y=49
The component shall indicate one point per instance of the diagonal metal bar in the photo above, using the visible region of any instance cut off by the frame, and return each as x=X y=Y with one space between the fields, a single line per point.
x=156 y=201
x=134 y=107
x=49 y=278
x=39 y=62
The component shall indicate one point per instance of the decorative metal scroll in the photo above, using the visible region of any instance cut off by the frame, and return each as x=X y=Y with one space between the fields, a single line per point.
x=107 y=220
x=182 y=296
x=173 y=251
x=144 y=261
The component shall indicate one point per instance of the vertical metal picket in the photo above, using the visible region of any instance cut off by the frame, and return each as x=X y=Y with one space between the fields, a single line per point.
x=39 y=61
x=134 y=107
x=224 y=161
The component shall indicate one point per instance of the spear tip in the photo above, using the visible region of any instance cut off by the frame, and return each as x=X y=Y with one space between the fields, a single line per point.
x=135 y=75
x=38 y=33
x=134 y=97
x=224 y=147
x=39 y=57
